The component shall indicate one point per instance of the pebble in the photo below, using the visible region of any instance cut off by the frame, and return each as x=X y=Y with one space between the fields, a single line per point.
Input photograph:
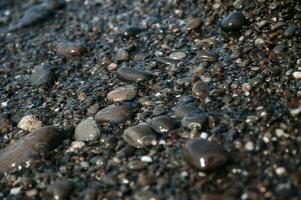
x=124 y=93
x=61 y=190
x=147 y=159
x=193 y=24
x=6 y=125
x=75 y=146
x=297 y=74
x=279 y=50
x=133 y=75
x=137 y=165
x=70 y=49
x=163 y=124
x=42 y=75
x=87 y=130
x=30 y=123
x=178 y=55
x=204 y=155
x=186 y=109
x=31 y=146
x=233 y=22
x=114 y=114
x=167 y=61
x=195 y=121
x=132 y=31
x=204 y=55
x=139 y=136
x=122 y=55
x=200 y=90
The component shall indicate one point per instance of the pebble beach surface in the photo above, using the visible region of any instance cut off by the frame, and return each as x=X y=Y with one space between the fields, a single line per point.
x=150 y=99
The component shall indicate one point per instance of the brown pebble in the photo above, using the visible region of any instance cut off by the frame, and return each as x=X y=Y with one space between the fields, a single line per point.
x=68 y=49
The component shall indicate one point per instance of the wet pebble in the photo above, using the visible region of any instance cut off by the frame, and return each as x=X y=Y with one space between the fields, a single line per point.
x=204 y=155
x=29 y=123
x=70 y=49
x=204 y=55
x=139 y=136
x=133 y=75
x=279 y=49
x=31 y=146
x=136 y=165
x=186 y=109
x=200 y=90
x=61 y=190
x=132 y=31
x=42 y=75
x=163 y=124
x=233 y=22
x=195 y=120
x=6 y=125
x=87 y=130
x=178 y=55
x=124 y=93
x=193 y=24
x=113 y=114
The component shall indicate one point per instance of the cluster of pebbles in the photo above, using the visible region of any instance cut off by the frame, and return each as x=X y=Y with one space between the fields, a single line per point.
x=150 y=99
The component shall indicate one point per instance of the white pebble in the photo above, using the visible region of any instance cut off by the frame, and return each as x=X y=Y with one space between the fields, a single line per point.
x=279 y=132
x=4 y=104
x=249 y=146
x=204 y=135
x=75 y=145
x=146 y=159
x=16 y=190
x=280 y=171
x=29 y=123
x=297 y=75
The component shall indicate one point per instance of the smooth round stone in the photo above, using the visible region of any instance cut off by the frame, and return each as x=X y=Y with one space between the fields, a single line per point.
x=203 y=55
x=177 y=55
x=124 y=93
x=70 y=49
x=87 y=130
x=233 y=22
x=186 y=109
x=42 y=75
x=194 y=120
x=200 y=90
x=133 y=31
x=29 y=123
x=133 y=75
x=139 y=136
x=61 y=190
x=167 y=61
x=136 y=165
x=204 y=155
x=193 y=24
x=279 y=50
x=113 y=114
x=163 y=124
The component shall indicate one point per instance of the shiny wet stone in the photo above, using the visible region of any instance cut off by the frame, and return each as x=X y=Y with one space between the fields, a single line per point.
x=113 y=114
x=70 y=49
x=42 y=75
x=204 y=155
x=133 y=75
x=124 y=93
x=31 y=146
x=163 y=124
x=233 y=22
x=193 y=24
x=136 y=165
x=186 y=109
x=195 y=120
x=200 y=90
x=139 y=136
x=204 y=55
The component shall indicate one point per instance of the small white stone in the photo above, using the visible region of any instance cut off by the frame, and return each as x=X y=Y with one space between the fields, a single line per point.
x=297 y=75
x=259 y=41
x=184 y=174
x=162 y=142
x=279 y=132
x=266 y=139
x=146 y=159
x=75 y=145
x=204 y=135
x=249 y=146
x=280 y=171
x=4 y=104
x=29 y=123
x=16 y=190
